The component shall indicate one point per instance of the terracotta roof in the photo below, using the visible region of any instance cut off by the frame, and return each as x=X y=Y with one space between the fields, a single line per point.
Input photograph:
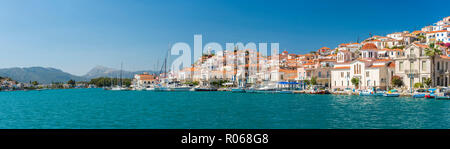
x=376 y=66
x=342 y=67
x=382 y=60
x=438 y=31
x=325 y=48
x=146 y=77
x=327 y=60
x=346 y=44
x=416 y=32
x=420 y=45
x=369 y=46
x=385 y=49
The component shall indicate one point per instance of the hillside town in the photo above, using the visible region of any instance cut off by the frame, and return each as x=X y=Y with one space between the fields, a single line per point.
x=401 y=60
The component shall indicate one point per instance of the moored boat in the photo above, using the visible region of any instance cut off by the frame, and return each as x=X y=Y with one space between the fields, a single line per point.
x=443 y=94
x=420 y=93
x=286 y=92
x=118 y=88
x=392 y=93
x=205 y=89
x=180 y=88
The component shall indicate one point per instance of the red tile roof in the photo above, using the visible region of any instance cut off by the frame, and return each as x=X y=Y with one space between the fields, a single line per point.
x=342 y=67
x=369 y=46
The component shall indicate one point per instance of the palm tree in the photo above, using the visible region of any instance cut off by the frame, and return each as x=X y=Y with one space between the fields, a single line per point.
x=432 y=51
x=355 y=82
x=427 y=81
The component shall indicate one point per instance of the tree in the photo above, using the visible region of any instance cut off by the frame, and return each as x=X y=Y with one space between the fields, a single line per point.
x=427 y=82
x=35 y=83
x=104 y=81
x=432 y=51
x=307 y=82
x=193 y=83
x=396 y=81
x=71 y=82
x=418 y=85
x=355 y=82
x=313 y=81
x=218 y=83
x=421 y=37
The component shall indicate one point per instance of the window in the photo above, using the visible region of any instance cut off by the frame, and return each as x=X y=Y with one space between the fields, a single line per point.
x=400 y=66
x=367 y=74
x=446 y=66
x=342 y=74
x=424 y=65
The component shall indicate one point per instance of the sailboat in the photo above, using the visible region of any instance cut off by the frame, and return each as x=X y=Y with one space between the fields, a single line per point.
x=164 y=85
x=119 y=87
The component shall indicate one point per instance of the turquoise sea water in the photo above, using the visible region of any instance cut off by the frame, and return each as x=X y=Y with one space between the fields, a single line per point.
x=98 y=109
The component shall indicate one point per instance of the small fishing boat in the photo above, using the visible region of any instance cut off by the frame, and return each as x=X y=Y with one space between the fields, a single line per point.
x=265 y=89
x=286 y=92
x=365 y=93
x=139 y=88
x=392 y=93
x=161 y=89
x=199 y=89
x=431 y=94
x=444 y=94
x=420 y=93
x=319 y=92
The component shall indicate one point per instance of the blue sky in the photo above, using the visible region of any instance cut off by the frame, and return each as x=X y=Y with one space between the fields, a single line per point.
x=76 y=35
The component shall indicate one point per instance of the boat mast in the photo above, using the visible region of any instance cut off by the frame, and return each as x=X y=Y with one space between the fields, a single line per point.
x=121 y=65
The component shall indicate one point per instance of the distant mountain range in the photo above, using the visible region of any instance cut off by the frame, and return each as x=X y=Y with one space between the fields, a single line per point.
x=47 y=75
x=101 y=71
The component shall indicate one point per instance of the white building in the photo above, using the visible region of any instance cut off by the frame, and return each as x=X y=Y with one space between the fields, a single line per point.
x=371 y=71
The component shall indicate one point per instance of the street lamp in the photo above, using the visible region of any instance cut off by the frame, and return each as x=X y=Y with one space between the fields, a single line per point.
x=411 y=72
